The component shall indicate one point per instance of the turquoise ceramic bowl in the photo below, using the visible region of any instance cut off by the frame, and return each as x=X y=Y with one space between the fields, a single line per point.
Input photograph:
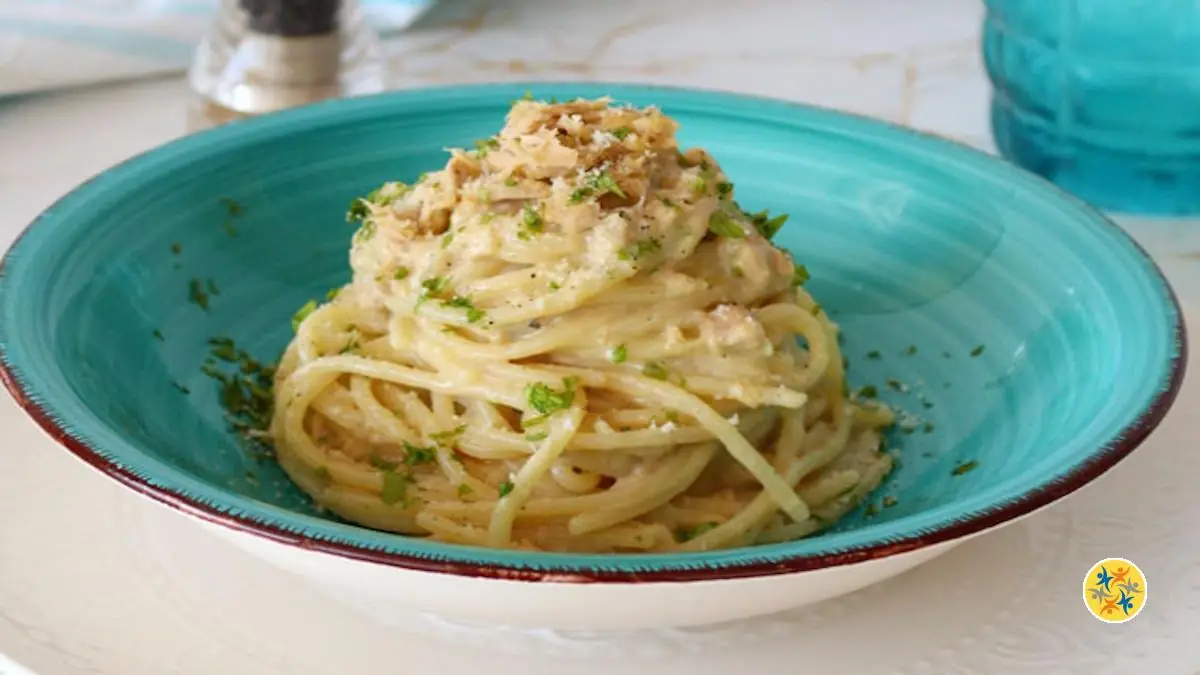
x=1036 y=344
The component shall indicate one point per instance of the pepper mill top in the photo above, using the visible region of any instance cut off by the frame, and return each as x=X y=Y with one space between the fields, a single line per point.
x=292 y=18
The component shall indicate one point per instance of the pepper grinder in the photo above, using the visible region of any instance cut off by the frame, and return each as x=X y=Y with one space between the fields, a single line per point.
x=262 y=56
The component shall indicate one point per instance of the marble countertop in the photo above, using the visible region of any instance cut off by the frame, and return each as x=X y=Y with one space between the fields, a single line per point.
x=94 y=580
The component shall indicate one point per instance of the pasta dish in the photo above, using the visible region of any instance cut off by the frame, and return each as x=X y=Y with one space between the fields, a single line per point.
x=572 y=338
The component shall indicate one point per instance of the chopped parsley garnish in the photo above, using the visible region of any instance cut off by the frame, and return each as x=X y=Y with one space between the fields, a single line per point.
x=381 y=463
x=432 y=288
x=722 y=225
x=618 y=354
x=246 y=392
x=597 y=184
x=182 y=389
x=894 y=385
x=233 y=208
x=230 y=228
x=689 y=533
x=534 y=421
x=435 y=285
x=510 y=182
x=889 y=501
x=641 y=248
x=465 y=491
x=536 y=436
x=302 y=314
x=621 y=132
x=724 y=189
x=158 y=335
x=767 y=226
x=700 y=187
x=332 y=293
x=224 y=349
x=447 y=239
x=448 y=435
x=506 y=488
x=395 y=487
x=360 y=208
x=655 y=370
x=415 y=455
x=927 y=427
x=546 y=400
x=965 y=467
x=351 y=346
x=816 y=311
x=531 y=222
x=474 y=315
x=870 y=511
x=197 y=295
x=177 y=248
x=977 y=350
x=482 y=146
x=869 y=391
x=874 y=354
x=799 y=276
x=911 y=350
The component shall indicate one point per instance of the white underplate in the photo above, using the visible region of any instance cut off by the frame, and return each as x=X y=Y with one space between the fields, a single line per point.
x=94 y=579
x=384 y=592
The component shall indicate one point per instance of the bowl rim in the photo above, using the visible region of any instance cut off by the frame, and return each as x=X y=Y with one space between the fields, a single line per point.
x=1044 y=493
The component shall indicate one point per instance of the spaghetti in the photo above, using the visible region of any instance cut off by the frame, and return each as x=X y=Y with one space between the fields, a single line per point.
x=573 y=339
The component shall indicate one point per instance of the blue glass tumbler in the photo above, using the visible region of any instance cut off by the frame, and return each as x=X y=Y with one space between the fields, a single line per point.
x=1101 y=97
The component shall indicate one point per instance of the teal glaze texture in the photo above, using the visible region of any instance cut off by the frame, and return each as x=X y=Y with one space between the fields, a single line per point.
x=911 y=241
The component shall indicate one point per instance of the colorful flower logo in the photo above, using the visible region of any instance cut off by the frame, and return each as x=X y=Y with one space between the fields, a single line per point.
x=1114 y=590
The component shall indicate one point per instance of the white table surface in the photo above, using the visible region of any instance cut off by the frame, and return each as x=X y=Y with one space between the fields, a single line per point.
x=96 y=580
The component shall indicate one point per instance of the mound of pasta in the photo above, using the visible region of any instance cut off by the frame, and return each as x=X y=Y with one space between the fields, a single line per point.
x=572 y=338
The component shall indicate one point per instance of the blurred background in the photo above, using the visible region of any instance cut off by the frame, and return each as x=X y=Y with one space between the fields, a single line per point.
x=1100 y=96
x=876 y=57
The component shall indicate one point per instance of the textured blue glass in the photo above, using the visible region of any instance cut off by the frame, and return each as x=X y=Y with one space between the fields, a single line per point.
x=1100 y=96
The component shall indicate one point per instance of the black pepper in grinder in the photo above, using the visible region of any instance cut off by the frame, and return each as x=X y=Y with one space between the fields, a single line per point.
x=292 y=18
x=267 y=55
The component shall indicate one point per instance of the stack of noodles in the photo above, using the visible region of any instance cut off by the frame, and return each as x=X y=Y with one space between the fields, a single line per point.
x=572 y=338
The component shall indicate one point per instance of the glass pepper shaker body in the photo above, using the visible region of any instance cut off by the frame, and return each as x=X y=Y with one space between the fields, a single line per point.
x=266 y=55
